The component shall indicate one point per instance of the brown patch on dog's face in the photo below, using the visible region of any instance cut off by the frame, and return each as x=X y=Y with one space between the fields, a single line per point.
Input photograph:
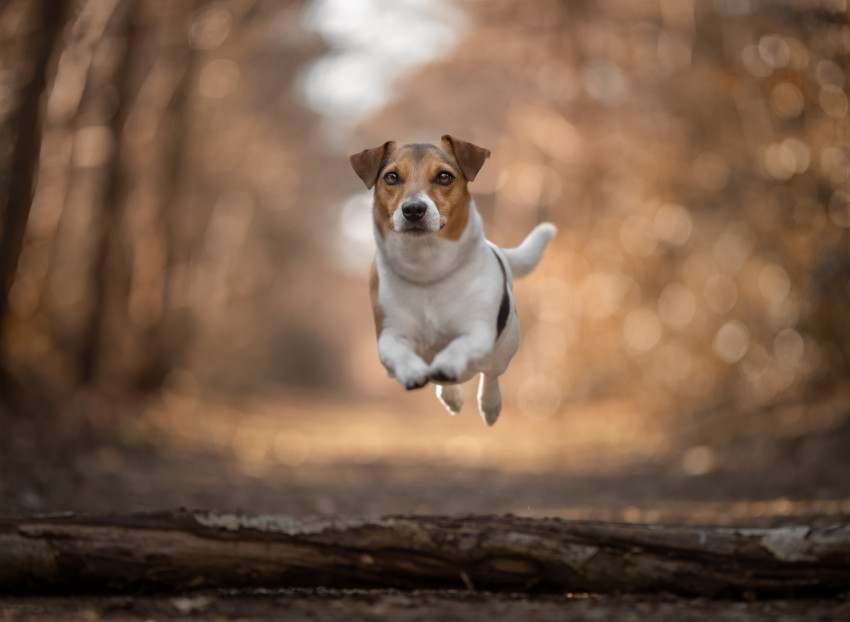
x=441 y=172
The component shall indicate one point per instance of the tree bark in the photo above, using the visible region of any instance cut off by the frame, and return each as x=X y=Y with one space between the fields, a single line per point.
x=194 y=550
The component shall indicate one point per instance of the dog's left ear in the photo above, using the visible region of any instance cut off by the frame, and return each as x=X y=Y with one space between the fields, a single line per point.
x=368 y=162
x=470 y=157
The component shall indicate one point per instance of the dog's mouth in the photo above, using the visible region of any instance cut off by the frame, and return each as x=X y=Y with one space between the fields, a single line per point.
x=415 y=229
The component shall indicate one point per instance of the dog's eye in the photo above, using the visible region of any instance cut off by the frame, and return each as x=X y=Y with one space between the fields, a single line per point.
x=391 y=178
x=445 y=178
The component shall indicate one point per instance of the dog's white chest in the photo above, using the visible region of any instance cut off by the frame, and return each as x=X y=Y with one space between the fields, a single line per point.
x=430 y=315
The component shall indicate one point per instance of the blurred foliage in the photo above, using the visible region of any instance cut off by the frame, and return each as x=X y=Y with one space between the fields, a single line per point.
x=192 y=216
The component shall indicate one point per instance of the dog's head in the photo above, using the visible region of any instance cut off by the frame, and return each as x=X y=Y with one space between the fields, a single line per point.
x=421 y=188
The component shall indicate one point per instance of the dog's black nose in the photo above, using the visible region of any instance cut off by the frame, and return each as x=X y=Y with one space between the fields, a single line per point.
x=414 y=210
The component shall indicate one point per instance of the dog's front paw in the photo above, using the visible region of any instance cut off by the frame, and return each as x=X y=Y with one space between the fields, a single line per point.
x=446 y=368
x=412 y=376
x=416 y=383
x=441 y=375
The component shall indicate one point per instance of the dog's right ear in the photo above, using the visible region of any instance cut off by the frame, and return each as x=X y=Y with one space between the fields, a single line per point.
x=367 y=164
x=470 y=157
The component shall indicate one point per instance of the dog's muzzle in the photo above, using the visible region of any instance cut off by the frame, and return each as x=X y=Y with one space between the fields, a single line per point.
x=416 y=215
x=413 y=211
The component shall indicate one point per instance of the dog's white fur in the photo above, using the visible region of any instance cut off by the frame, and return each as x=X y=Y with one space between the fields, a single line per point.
x=440 y=299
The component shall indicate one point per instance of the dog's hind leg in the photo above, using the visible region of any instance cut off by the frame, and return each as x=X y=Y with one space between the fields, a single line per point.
x=451 y=395
x=489 y=398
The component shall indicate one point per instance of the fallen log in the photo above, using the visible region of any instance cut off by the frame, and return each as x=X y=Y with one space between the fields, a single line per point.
x=204 y=550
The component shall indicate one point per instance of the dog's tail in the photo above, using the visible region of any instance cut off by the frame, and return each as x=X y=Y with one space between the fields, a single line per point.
x=525 y=257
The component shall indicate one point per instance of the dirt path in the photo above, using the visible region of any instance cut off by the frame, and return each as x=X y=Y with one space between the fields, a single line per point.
x=302 y=456
x=420 y=606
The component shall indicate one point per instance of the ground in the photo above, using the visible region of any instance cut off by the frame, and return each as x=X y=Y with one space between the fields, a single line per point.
x=302 y=455
x=419 y=606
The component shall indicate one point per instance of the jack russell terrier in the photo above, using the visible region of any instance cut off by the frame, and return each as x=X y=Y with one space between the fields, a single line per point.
x=442 y=294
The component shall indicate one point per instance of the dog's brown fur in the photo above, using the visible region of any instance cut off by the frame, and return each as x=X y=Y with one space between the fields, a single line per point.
x=418 y=166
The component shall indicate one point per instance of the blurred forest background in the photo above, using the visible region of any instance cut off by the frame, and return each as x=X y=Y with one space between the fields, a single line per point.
x=179 y=218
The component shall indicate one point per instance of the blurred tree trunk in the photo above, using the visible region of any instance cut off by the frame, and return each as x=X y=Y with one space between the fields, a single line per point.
x=153 y=79
x=25 y=130
x=172 y=333
x=103 y=290
x=111 y=273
